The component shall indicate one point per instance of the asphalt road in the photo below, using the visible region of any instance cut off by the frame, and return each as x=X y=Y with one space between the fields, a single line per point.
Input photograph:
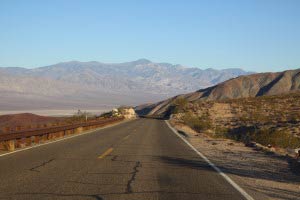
x=140 y=159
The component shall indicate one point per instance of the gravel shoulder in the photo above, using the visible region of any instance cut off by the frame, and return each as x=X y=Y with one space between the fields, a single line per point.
x=264 y=175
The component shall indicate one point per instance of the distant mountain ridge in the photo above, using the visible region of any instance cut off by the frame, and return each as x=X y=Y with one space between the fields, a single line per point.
x=76 y=84
x=254 y=85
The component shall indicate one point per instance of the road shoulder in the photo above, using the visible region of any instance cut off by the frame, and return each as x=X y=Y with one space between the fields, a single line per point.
x=262 y=175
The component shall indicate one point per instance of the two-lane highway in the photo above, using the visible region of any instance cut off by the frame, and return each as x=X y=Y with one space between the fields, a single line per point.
x=140 y=159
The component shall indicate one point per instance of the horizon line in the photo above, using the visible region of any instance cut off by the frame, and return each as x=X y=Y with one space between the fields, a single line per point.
x=150 y=61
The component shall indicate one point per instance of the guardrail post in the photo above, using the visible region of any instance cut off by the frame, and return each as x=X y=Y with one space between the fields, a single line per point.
x=28 y=141
x=10 y=145
x=20 y=143
x=68 y=132
x=2 y=146
x=79 y=130
x=37 y=139
x=44 y=138
x=61 y=134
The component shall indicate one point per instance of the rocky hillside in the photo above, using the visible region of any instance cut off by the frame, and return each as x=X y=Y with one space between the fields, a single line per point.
x=255 y=85
x=94 y=84
x=273 y=119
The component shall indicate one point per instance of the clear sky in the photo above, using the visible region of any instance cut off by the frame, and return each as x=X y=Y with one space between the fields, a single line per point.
x=261 y=35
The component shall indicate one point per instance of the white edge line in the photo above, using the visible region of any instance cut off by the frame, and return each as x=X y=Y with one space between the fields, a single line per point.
x=227 y=178
x=61 y=139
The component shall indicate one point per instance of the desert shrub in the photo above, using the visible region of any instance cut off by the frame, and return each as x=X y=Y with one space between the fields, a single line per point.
x=259 y=116
x=244 y=118
x=197 y=123
x=221 y=132
x=179 y=105
x=293 y=119
x=277 y=138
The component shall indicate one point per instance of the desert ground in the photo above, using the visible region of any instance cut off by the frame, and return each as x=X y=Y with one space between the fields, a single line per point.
x=264 y=175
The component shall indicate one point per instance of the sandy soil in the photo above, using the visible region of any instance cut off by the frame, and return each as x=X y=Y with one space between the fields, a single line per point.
x=263 y=175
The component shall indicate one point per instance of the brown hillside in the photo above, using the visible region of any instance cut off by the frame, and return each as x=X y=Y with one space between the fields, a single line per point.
x=255 y=85
x=267 y=120
x=24 y=120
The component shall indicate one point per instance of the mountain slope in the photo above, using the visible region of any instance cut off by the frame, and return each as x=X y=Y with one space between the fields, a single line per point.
x=91 y=84
x=254 y=85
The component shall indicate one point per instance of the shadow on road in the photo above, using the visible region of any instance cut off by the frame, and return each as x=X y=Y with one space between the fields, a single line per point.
x=259 y=172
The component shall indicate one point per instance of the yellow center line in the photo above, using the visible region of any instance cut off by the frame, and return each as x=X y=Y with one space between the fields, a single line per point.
x=107 y=152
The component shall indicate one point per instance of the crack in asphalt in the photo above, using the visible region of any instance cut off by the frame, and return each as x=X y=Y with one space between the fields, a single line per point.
x=133 y=176
x=41 y=165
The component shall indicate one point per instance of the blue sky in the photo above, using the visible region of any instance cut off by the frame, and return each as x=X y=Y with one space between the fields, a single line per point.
x=262 y=35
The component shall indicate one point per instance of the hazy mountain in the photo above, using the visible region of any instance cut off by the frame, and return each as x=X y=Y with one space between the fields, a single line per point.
x=93 y=84
x=254 y=85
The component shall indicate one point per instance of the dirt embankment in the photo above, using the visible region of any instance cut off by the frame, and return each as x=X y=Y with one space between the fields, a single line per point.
x=220 y=130
x=269 y=120
x=264 y=175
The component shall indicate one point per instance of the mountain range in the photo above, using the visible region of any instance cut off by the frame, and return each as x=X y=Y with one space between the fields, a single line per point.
x=254 y=85
x=72 y=85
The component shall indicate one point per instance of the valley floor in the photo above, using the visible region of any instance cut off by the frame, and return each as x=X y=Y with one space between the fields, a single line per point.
x=62 y=112
x=263 y=175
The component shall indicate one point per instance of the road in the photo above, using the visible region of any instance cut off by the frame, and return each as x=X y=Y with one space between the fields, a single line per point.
x=140 y=159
